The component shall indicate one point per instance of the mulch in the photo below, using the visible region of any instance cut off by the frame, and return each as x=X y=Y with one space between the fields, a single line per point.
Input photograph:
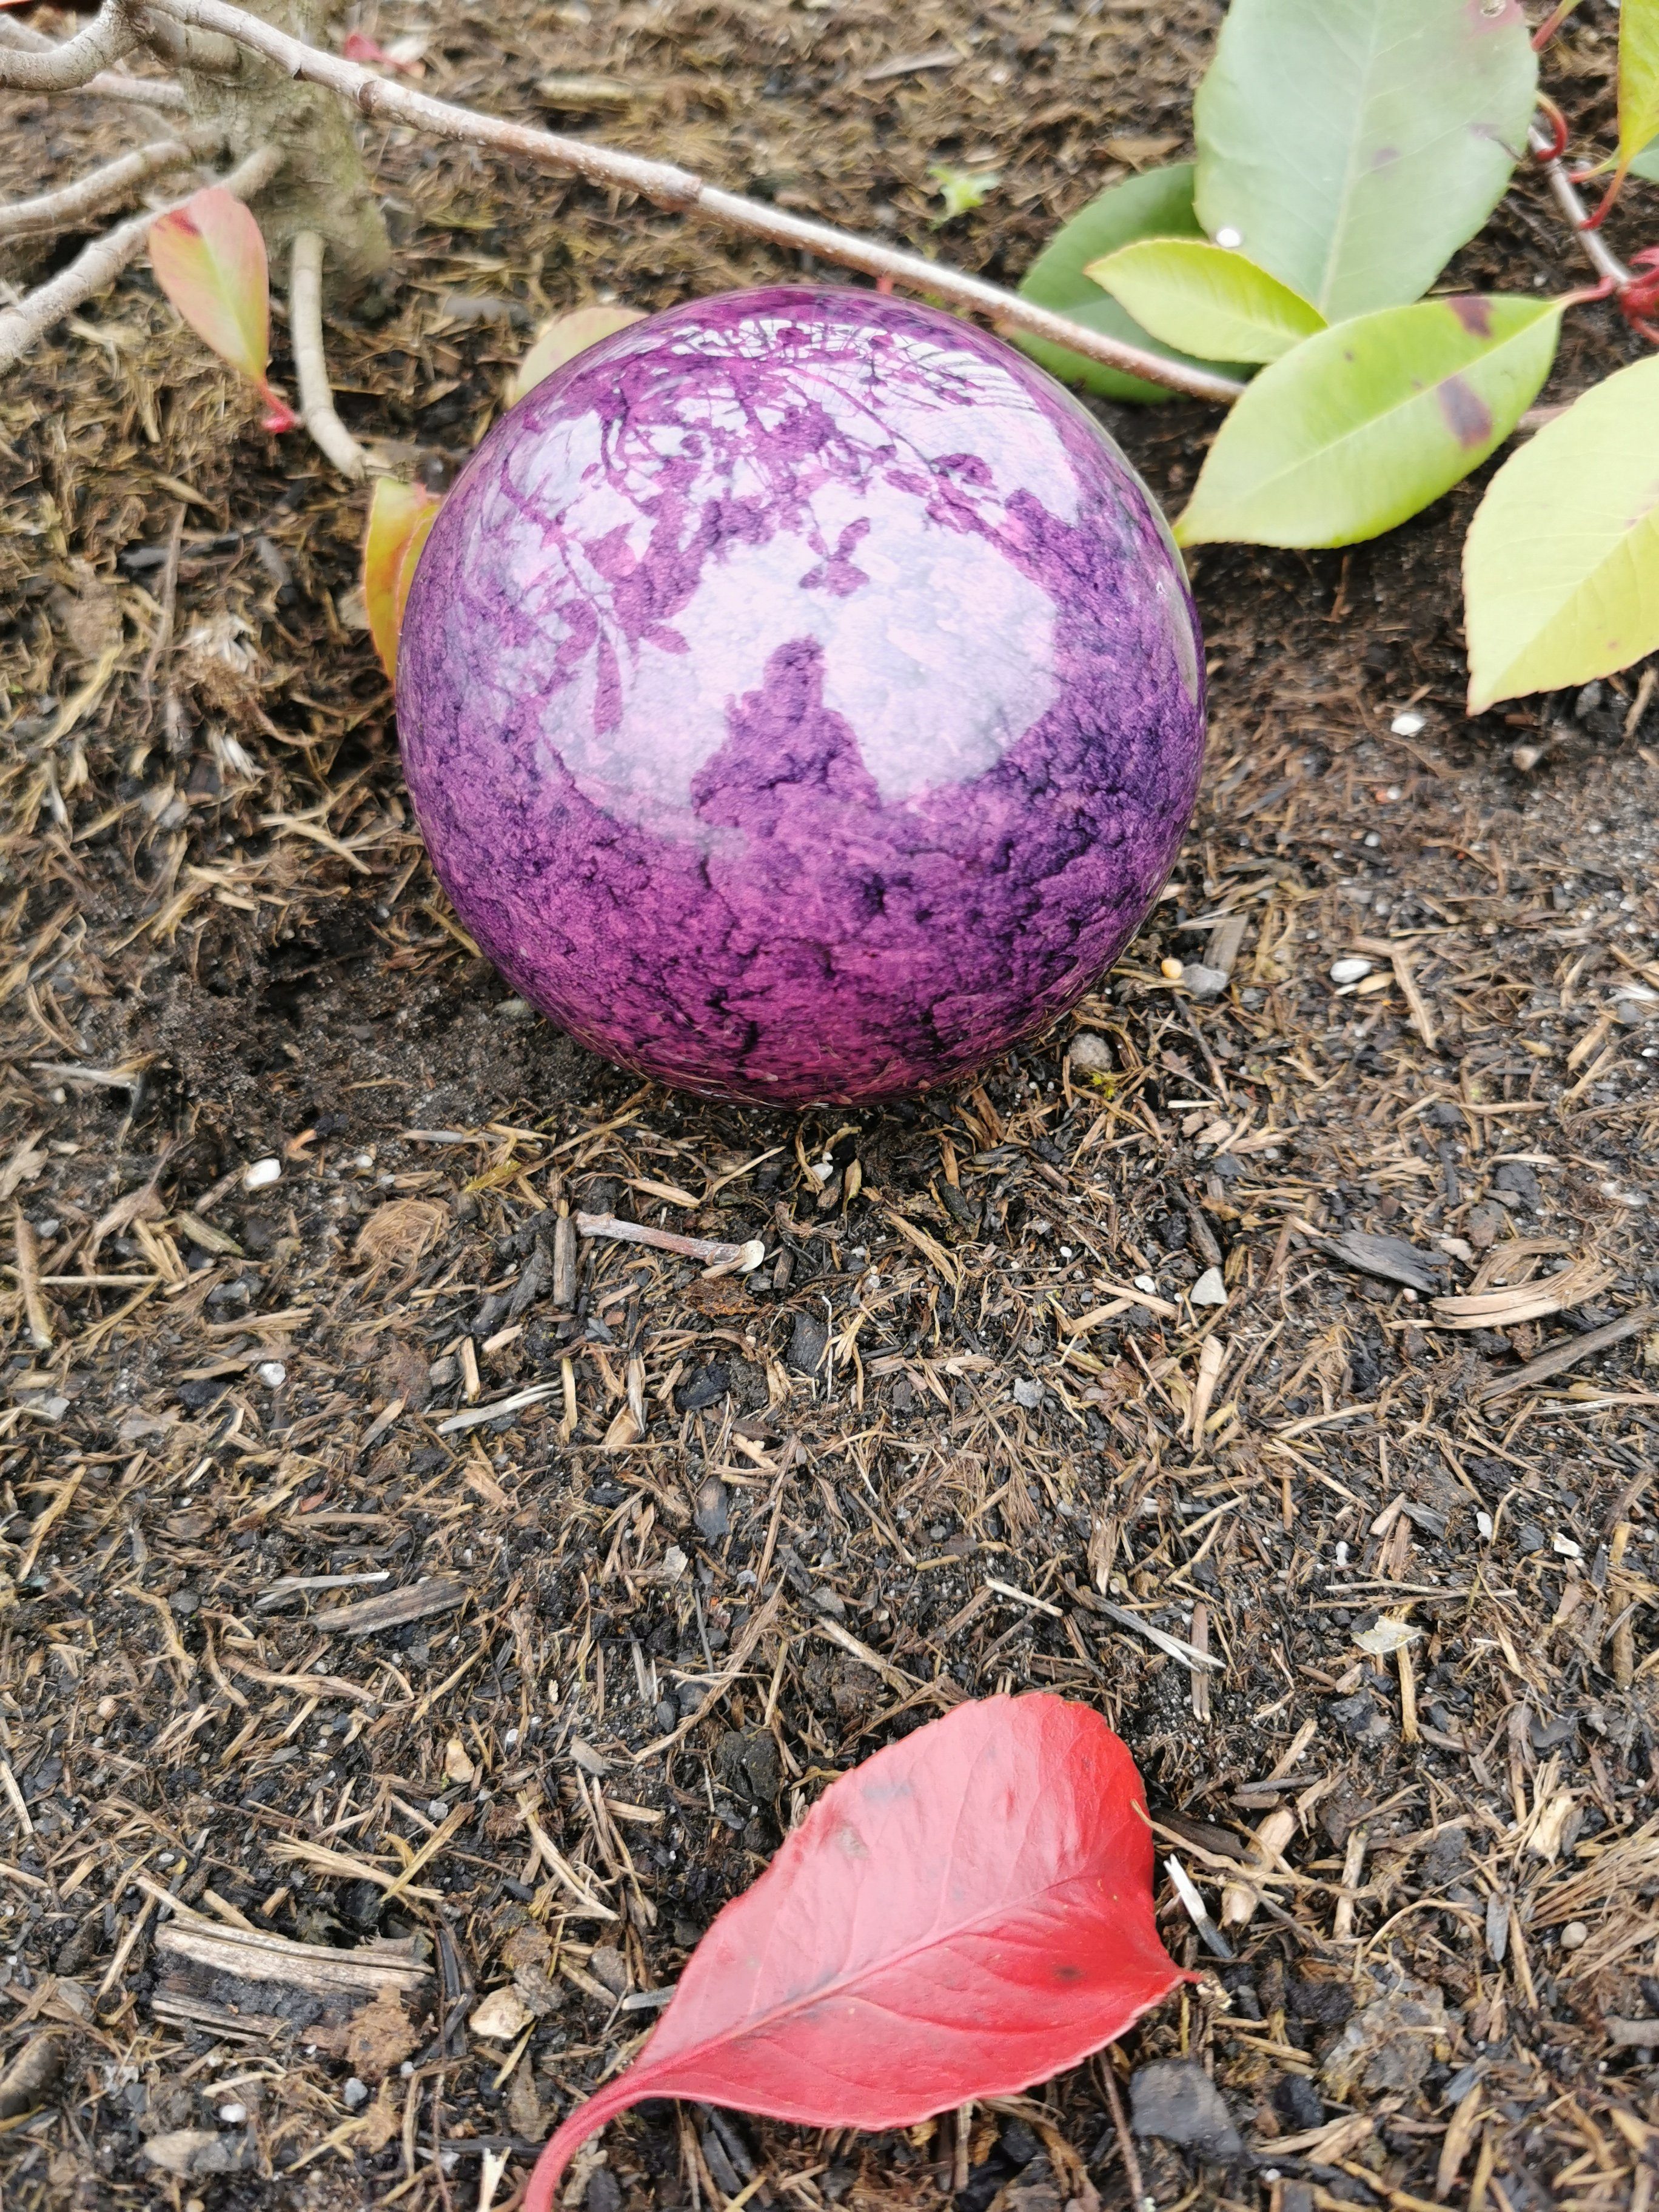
x=425 y=1606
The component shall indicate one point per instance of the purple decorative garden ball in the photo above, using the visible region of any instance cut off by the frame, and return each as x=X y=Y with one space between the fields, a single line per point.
x=801 y=697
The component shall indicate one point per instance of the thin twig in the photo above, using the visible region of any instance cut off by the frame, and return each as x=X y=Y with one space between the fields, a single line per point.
x=1125 y=2141
x=101 y=190
x=683 y=193
x=1606 y=263
x=96 y=268
x=75 y=62
x=305 y=318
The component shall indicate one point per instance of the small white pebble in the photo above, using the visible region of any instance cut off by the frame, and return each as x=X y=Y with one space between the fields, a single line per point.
x=1574 y=1936
x=272 y=1374
x=259 y=1175
x=355 y=2092
x=1349 y=971
x=1341 y=1555
x=437 y=1810
x=232 y=2116
x=1483 y=1523
x=1408 y=724
x=1372 y=839
x=1209 y=1289
x=1146 y=1283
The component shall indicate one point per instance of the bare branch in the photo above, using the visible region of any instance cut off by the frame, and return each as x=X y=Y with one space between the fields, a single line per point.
x=1601 y=258
x=112 y=32
x=96 y=269
x=103 y=189
x=678 y=188
x=108 y=84
x=305 y=321
x=186 y=49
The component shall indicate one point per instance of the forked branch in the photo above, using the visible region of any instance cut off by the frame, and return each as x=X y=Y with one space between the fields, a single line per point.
x=66 y=67
x=96 y=269
x=108 y=84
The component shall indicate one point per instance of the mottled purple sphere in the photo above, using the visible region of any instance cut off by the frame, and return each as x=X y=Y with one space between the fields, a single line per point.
x=801 y=697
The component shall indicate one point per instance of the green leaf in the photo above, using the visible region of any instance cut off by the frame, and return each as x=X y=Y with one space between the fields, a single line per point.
x=962 y=190
x=1191 y=293
x=1368 y=421
x=1156 y=204
x=1350 y=146
x=1561 y=564
x=1638 y=79
x=1646 y=163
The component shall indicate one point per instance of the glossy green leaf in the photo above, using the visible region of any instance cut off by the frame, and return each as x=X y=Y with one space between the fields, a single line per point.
x=1156 y=204
x=1638 y=79
x=1561 y=564
x=1350 y=146
x=1204 y=299
x=1646 y=163
x=1368 y=421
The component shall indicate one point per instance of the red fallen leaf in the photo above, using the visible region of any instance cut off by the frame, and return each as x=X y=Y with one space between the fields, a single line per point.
x=966 y=1913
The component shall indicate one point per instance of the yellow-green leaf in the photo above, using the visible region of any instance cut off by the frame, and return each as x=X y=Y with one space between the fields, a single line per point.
x=562 y=340
x=209 y=257
x=1158 y=204
x=399 y=517
x=1205 y=299
x=1638 y=78
x=1561 y=564
x=1363 y=424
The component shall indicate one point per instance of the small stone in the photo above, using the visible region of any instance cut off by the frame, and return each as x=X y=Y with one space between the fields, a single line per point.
x=1209 y=1289
x=713 y=1516
x=1090 y=1054
x=1204 y=982
x=674 y=1564
x=1349 y=971
x=259 y=1175
x=354 y=2094
x=232 y=2116
x=516 y=1010
x=1028 y=1394
x=271 y=1373
x=609 y=1969
x=1176 y=2101
x=1574 y=1936
x=501 y=2016
x=1409 y=724
x=1484 y=1225
x=1170 y=970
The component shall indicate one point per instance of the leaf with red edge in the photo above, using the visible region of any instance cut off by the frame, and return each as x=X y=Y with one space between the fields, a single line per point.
x=966 y=1913
x=399 y=517
x=209 y=257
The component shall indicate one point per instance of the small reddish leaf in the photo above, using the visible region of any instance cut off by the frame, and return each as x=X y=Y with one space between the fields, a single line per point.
x=209 y=257
x=399 y=517
x=968 y=1912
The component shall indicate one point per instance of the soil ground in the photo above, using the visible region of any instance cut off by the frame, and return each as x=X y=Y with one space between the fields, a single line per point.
x=886 y=1470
